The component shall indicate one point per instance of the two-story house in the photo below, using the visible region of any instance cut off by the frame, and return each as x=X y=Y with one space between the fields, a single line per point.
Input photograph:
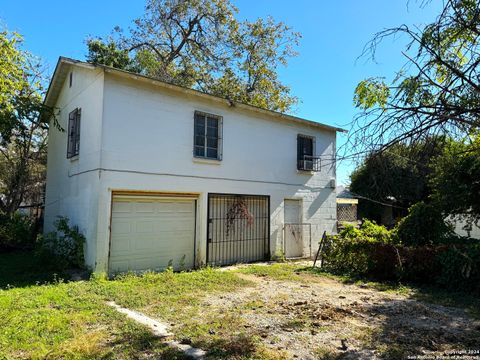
x=156 y=175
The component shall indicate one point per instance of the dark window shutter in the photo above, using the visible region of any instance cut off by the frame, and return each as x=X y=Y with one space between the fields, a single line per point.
x=73 y=135
x=77 y=131
x=300 y=140
x=70 y=134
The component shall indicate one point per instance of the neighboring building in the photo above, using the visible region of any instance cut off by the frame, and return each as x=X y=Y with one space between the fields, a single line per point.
x=156 y=174
x=462 y=228
x=347 y=207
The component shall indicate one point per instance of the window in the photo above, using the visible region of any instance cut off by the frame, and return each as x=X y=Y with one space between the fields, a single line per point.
x=73 y=142
x=305 y=150
x=70 y=81
x=207 y=141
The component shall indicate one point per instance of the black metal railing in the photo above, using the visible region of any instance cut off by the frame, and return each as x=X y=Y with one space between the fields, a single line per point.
x=238 y=228
x=309 y=163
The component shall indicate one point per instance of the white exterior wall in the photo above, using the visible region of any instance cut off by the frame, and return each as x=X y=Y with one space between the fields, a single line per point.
x=76 y=197
x=147 y=145
x=138 y=136
x=458 y=227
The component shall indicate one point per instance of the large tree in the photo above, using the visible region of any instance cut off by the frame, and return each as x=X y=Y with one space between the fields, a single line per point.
x=12 y=78
x=398 y=176
x=436 y=92
x=23 y=127
x=200 y=44
x=456 y=180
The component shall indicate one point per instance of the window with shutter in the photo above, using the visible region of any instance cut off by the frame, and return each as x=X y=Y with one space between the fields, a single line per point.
x=73 y=140
x=207 y=140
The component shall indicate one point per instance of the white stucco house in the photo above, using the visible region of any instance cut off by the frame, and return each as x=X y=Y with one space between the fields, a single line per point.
x=157 y=175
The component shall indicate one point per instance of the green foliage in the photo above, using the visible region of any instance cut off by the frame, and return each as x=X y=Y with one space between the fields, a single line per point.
x=375 y=252
x=371 y=92
x=65 y=245
x=201 y=45
x=108 y=54
x=16 y=232
x=424 y=225
x=366 y=251
x=12 y=74
x=285 y=271
x=420 y=263
x=24 y=123
x=20 y=86
x=398 y=176
x=435 y=91
x=369 y=231
x=460 y=268
x=456 y=180
x=72 y=320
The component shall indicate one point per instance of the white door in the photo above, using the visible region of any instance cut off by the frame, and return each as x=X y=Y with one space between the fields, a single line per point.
x=293 y=231
x=151 y=233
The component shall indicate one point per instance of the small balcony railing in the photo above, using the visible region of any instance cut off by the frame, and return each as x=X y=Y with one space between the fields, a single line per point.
x=309 y=163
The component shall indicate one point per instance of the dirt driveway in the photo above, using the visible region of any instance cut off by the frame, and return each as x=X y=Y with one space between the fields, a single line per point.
x=316 y=317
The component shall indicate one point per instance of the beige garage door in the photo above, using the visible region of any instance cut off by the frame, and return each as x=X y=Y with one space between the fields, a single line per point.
x=151 y=233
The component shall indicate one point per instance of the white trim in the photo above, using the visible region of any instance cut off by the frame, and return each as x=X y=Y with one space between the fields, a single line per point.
x=347 y=201
x=200 y=160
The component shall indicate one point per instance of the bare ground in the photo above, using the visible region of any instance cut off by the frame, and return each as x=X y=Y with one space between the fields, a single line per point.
x=319 y=317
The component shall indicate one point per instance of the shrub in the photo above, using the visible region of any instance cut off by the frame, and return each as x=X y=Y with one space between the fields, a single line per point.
x=424 y=225
x=16 y=232
x=376 y=233
x=460 y=268
x=371 y=251
x=369 y=231
x=366 y=251
x=363 y=258
x=420 y=264
x=64 y=245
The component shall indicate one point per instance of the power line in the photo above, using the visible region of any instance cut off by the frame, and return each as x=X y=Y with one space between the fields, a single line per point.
x=376 y=201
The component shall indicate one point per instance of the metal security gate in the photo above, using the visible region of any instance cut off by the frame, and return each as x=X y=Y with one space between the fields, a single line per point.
x=238 y=228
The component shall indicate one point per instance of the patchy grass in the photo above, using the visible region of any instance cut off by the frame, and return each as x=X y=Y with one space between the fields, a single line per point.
x=66 y=320
x=70 y=320
x=276 y=271
x=57 y=319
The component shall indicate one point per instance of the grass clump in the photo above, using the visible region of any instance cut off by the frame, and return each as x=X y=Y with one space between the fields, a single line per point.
x=71 y=319
x=284 y=271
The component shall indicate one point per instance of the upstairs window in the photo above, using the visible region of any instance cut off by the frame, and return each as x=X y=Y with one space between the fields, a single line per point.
x=73 y=142
x=306 y=160
x=207 y=141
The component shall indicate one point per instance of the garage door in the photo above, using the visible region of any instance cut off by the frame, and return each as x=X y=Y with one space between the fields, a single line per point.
x=151 y=233
x=238 y=228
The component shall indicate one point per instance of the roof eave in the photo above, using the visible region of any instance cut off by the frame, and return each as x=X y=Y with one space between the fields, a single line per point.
x=50 y=98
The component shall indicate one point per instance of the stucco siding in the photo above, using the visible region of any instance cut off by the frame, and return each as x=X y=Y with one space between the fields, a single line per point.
x=318 y=204
x=147 y=145
x=152 y=130
x=138 y=136
x=76 y=197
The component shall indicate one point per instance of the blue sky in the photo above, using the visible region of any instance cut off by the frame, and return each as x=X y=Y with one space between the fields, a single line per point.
x=323 y=76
